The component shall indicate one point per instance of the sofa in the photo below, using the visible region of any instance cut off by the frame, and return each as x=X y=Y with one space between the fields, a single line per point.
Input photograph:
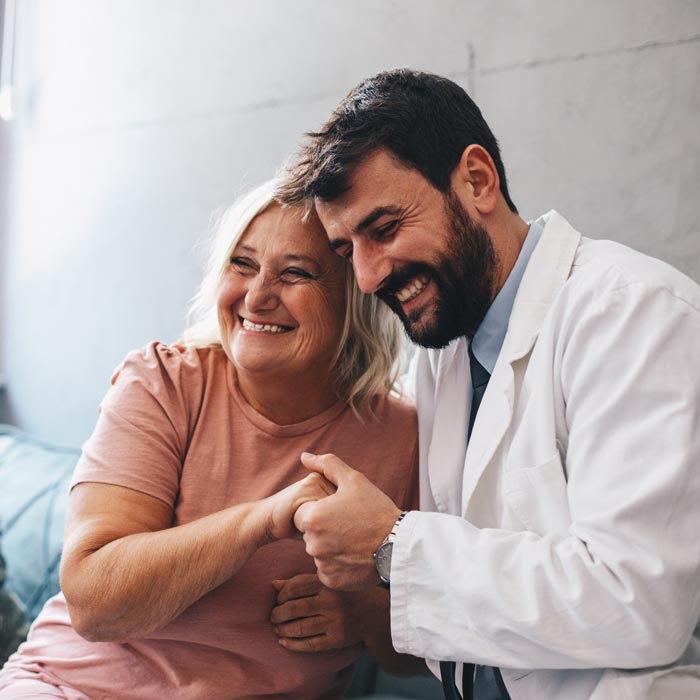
x=34 y=480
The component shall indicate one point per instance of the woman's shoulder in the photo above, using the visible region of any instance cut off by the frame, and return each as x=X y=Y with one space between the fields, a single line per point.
x=389 y=410
x=159 y=364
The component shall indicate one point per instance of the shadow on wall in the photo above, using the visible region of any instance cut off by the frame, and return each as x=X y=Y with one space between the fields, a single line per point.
x=6 y=414
x=6 y=156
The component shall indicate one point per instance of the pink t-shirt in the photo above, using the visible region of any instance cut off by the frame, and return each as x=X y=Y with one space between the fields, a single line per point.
x=175 y=426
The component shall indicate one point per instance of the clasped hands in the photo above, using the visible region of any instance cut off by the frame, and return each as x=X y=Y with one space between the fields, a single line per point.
x=342 y=518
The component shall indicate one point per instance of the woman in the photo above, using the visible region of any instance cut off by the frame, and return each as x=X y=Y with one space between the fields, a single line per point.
x=182 y=503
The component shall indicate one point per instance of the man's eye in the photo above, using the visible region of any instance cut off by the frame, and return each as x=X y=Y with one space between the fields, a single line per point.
x=386 y=230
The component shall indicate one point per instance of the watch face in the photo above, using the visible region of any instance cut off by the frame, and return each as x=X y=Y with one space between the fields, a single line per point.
x=383 y=561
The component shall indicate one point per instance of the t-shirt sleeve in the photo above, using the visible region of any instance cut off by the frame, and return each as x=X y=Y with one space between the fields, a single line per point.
x=398 y=445
x=141 y=435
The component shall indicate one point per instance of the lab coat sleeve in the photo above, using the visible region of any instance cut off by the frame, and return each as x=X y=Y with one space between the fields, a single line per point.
x=621 y=588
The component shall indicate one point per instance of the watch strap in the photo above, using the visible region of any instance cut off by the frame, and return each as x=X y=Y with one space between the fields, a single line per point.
x=392 y=533
x=384 y=551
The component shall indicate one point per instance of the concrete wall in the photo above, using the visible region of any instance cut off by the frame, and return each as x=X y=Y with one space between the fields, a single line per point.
x=136 y=120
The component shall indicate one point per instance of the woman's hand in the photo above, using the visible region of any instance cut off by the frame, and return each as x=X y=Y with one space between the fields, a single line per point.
x=283 y=505
x=310 y=617
x=119 y=541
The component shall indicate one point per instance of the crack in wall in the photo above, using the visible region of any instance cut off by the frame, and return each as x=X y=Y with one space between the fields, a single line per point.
x=469 y=75
x=43 y=135
x=554 y=60
x=471 y=68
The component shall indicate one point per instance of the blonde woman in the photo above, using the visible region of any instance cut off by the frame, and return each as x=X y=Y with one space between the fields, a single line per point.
x=182 y=503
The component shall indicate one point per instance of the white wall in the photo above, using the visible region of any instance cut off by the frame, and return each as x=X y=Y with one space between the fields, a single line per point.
x=137 y=119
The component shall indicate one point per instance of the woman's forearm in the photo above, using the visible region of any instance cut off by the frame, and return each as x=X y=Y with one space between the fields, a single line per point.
x=136 y=584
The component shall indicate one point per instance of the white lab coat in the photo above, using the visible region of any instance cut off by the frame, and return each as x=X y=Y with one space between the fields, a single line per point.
x=564 y=544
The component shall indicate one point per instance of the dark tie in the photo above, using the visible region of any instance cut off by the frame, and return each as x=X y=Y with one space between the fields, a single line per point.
x=480 y=379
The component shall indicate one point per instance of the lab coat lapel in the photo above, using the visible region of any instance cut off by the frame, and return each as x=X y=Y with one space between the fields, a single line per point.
x=547 y=271
x=448 y=439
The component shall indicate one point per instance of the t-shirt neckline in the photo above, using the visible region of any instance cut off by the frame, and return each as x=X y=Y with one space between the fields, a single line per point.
x=265 y=424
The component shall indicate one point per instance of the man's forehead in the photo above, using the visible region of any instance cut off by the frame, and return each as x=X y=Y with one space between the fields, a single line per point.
x=379 y=185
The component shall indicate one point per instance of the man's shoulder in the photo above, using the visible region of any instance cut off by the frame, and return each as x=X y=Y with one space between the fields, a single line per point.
x=603 y=266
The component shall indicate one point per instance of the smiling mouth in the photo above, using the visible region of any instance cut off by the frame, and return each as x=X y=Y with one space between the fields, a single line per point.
x=412 y=289
x=263 y=327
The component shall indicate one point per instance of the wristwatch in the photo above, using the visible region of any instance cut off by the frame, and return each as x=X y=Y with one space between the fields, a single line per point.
x=382 y=557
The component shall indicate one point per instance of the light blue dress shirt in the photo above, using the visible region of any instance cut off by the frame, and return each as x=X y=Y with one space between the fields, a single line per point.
x=486 y=345
x=489 y=337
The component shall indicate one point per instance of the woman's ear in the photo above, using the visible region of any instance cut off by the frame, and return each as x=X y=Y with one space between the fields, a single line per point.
x=476 y=178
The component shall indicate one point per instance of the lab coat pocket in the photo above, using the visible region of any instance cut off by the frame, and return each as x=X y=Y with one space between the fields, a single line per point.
x=538 y=496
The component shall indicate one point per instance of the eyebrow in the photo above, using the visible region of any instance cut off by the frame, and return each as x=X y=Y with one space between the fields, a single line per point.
x=291 y=257
x=301 y=258
x=336 y=243
x=375 y=214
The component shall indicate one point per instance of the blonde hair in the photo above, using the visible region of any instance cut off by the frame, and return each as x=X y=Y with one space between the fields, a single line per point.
x=366 y=362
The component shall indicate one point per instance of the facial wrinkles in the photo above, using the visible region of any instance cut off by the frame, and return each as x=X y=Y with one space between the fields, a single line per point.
x=464 y=278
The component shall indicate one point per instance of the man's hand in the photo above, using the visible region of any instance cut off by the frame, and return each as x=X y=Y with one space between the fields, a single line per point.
x=310 y=617
x=280 y=508
x=343 y=531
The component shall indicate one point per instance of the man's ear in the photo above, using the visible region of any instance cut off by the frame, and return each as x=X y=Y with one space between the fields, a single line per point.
x=476 y=178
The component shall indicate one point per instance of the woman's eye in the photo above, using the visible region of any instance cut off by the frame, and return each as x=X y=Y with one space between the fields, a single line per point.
x=242 y=264
x=296 y=273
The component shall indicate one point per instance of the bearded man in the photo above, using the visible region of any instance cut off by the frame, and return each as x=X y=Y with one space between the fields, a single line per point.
x=555 y=554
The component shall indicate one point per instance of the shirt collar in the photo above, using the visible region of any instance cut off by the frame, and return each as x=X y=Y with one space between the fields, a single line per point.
x=488 y=340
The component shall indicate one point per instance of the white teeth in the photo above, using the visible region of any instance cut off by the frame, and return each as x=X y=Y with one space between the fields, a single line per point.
x=263 y=328
x=411 y=290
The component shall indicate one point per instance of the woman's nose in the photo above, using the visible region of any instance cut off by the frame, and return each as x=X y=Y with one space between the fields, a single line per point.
x=261 y=295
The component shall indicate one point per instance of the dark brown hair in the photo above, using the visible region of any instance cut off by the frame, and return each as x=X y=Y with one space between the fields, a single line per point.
x=425 y=120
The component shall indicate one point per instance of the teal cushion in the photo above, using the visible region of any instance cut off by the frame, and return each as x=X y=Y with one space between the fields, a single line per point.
x=34 y=480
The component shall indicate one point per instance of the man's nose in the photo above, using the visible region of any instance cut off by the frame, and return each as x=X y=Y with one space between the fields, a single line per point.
x=261 y=295
x=371 y=268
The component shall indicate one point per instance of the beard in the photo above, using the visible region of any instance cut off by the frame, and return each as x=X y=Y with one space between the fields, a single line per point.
x=465 y=279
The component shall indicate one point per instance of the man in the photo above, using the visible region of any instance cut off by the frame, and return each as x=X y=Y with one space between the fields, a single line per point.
x=558 y=394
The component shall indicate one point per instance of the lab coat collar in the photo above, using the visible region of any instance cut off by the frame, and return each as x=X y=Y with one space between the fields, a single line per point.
x=547 y=270
x=546 y=273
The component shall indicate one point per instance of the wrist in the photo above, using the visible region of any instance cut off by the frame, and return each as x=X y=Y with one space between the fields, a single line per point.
x=255 y=523
x=383 y=553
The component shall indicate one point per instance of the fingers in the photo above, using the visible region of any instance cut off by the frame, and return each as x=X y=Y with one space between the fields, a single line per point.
x=308 y=644
x=295 y=609
x=321 y=642
x=330 y=466
x=302 y=514
x=300 y=586
x=318 y=485
x=301 y=628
